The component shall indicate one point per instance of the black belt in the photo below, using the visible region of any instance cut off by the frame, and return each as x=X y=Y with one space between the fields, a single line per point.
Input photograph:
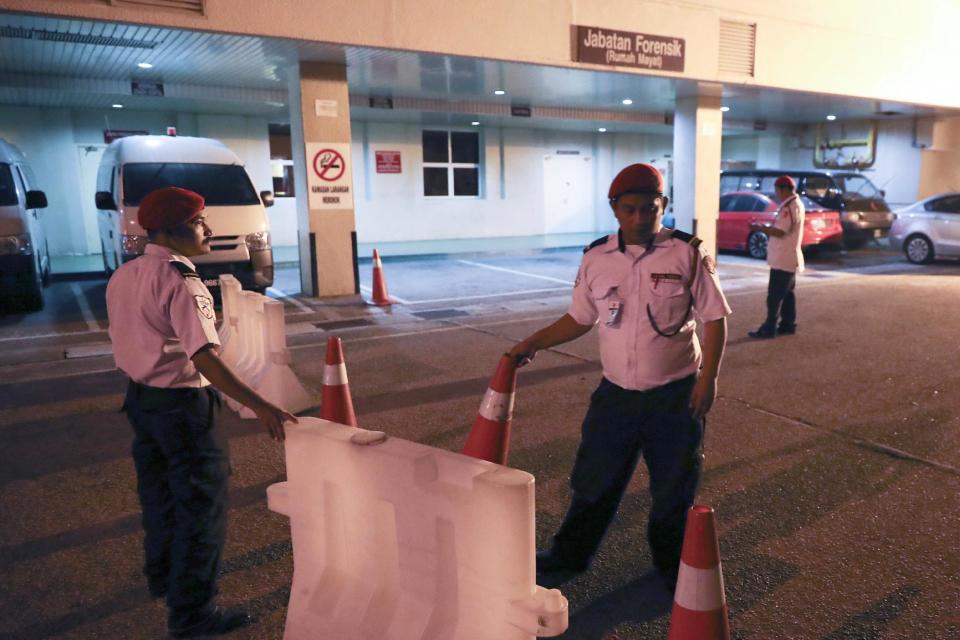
x=163 y=397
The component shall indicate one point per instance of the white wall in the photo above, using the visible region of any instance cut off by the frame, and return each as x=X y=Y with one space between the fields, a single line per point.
x=392 y=207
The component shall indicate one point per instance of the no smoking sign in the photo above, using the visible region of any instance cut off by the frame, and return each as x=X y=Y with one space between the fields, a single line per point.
x=329 y=178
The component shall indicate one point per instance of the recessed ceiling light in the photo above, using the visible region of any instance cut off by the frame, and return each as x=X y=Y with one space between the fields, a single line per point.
x=831 y=117
x=724 y=109
x=117 y=106
x=627 y=101
x=602 y=129
x=499 y=92
x=475 y=123
x=145 y=65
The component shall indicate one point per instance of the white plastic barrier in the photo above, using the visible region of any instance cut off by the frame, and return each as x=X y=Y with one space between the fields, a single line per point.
x=250 y=355
x=229 y=345
x=394 y=540
x=275 y=380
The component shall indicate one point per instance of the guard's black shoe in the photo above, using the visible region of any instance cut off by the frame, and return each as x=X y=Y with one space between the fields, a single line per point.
x=787 y=330
x=221 y=621
x=762 y=334
x=550 y=562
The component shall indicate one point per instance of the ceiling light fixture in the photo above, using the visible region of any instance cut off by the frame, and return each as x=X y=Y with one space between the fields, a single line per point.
x=475 y=123
x=602 y=129
x=627 y=101
x=724 y=109
x=145 y=65
x=831 y=117
x=499 y=92
x=117 y=106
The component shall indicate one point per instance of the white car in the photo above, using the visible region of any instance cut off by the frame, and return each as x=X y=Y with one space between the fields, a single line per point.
x=928 y=229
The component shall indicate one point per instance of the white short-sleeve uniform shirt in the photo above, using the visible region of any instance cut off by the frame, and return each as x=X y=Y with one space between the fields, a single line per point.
x=645 y=300
x=784 y=253
x=159 y=318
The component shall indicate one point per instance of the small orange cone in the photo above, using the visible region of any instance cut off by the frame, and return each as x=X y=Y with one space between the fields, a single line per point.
x=489 y=438
x=699 y=604
x=335 y=403
x=380 y=295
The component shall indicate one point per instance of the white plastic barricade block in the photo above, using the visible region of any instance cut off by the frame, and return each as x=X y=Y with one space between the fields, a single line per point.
x=229 y=344
x=394 y=540
x=250 y=357
x=275 y=380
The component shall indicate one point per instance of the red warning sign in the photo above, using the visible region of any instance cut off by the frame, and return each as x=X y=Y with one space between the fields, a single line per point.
x=329 y=165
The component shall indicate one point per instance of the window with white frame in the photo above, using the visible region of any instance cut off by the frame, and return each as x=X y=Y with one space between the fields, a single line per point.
x=451 y=163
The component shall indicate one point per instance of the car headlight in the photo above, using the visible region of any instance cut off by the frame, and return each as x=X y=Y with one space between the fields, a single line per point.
x=16 y=245
x=133 y=245
x=259 y=241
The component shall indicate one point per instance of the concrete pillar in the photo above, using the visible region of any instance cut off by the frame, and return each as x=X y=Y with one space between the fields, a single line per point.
x=939 y=162
x=697 y=132
x=322 y=165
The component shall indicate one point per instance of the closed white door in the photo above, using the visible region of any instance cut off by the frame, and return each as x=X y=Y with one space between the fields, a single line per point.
x=568 y=194
x=89 y=157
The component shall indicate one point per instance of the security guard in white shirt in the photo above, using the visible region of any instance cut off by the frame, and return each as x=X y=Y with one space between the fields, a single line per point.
x=163 y=336
x=644 y=285
x=785 y=257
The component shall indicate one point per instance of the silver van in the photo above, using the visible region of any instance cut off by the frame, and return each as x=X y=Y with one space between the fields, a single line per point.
x=24 y=257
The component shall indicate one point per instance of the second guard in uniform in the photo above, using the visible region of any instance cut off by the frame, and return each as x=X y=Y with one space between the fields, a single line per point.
x=643 y=286
x=164 y=339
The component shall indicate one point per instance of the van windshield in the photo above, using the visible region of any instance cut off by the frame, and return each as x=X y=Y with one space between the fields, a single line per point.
x=8 y=194
x=219 y=184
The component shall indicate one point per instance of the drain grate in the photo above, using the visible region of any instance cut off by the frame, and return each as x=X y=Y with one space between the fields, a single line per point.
x=333 y=325
x=441 y=314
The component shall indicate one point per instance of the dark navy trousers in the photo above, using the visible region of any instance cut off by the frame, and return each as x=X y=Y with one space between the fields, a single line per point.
x=182 y=461
x=781 y=301
x=621 y=425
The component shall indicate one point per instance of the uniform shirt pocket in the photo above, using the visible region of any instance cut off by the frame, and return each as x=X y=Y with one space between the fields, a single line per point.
x=668 y=301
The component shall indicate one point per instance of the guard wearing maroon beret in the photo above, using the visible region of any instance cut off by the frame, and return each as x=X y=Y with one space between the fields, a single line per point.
x=644 y=286
x=785 y=257
x=164 y=339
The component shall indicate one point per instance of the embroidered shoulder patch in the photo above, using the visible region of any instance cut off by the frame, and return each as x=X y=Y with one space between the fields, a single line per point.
x=205 y=305
x=709 y=263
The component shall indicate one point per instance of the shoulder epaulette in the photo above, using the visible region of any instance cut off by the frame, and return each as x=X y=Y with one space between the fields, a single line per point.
x=596 y=243
x=184 y=270
x=689 y=238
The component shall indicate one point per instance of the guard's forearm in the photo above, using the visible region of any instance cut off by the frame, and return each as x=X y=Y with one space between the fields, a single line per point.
x=224 y=379
x=714 y=342
x=563 y=330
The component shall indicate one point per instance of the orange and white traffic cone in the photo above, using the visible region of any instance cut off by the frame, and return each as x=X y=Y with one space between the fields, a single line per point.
x=380 y=295
x=489 y=438
x=336 y=404
x=699 y=604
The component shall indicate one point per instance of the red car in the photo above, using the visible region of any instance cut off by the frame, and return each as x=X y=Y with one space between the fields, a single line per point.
x=740 y=208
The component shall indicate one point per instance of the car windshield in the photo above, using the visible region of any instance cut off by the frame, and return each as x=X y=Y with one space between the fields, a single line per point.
x=219 y=184
x=8 y=194
x=857 y=187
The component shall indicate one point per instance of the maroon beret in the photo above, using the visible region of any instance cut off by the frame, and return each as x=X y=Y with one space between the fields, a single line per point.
x=785 y=182
x=637 y=178
x=168 y=207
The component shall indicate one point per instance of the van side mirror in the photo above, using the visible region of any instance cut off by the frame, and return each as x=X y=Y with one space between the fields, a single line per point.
x=36 y=200
x=105 y=200
x=267 y=198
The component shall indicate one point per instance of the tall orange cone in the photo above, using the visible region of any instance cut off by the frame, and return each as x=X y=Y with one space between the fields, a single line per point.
x=335 y=402
x=380 y=295
x=489 y=438
x=699 y=604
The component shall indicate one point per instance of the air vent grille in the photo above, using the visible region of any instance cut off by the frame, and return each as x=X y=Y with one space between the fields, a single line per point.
x=738 y=42
x=193 y=6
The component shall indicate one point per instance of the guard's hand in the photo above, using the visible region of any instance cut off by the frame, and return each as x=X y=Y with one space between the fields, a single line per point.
x=522 y=353
x=704 y=393
x=273 y=418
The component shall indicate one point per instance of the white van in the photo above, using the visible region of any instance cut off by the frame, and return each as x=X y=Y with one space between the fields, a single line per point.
x=134 y=166
x=24 y=258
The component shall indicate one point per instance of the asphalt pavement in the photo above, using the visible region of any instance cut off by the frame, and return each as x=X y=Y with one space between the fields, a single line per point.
x=831 y=455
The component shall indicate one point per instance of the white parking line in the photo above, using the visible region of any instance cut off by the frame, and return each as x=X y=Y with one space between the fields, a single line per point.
x=491 y=295
x=393 y=297
x=518 y=273
x=92 y=323
x=276 y=293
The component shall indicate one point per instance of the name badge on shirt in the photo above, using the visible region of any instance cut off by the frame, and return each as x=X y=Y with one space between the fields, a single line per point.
x=614 y=309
